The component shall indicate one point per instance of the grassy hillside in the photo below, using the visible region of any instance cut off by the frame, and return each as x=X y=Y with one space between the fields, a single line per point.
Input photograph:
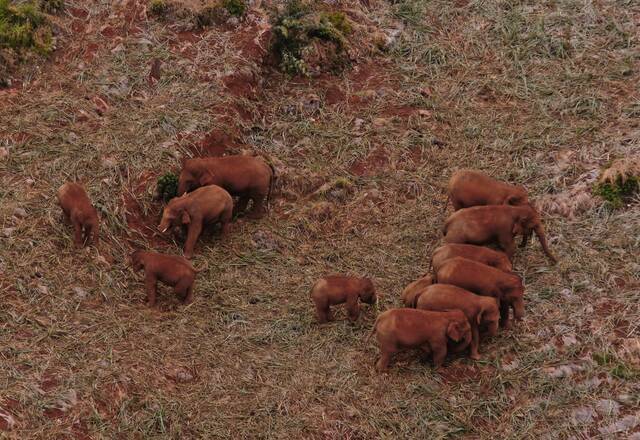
x=544 y=93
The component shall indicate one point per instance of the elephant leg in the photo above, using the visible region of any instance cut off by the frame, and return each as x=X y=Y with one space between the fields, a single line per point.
x=225 y=220
x=77 y=234
x=243 y=201
x=258 y=209
x=150 y=285
x=507 y=244
x=182 y=290
x=439 y=354
x=353 y=308
x=195 y=228
x=323 y=313
x=475 y=342
x=504 y=315
x=383 y=362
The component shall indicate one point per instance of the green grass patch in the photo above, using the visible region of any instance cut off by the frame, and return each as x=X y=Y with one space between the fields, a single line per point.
x=618 y=192
x=24 y=27
x=237 y=8
x=167 y=187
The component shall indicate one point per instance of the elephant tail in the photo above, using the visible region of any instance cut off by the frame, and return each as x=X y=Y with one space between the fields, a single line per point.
x=372 y=332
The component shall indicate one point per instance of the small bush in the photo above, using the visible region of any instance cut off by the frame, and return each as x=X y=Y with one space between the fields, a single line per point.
x=158 y=7
x=51 y=6
x=237 y=8
x=617 y=193
x=24 y=26
x=339 y=21
x=167 y=187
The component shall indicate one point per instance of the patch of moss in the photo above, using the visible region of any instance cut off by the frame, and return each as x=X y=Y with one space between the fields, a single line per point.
x=24 y=26
x=167 y=187
x=237 y=8
x=618 y=193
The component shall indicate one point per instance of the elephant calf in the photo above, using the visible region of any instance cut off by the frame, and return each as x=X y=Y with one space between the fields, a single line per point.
x=472 y=188
x=172 y=270
x=413 y=289
x=332 y=290
x=209 y=204
x=398 y=329
x=78 y=210
x=487 y=224
x=479 y=310
x=247 y=177
x=487 y=281
x=480 y=254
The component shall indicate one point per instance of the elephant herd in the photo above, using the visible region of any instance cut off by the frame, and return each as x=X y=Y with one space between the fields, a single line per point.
x=470 y=290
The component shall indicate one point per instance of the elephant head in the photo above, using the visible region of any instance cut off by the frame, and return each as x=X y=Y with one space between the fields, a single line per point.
x=368 y=292
x=174 y=213
x=489 y=315
x=526 y=223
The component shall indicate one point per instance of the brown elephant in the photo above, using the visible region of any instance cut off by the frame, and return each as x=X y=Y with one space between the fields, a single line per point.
x=337 y=289
x=482 y=225
x=208 y=204
x=488 y=281
x=246 y=177
x=479 y=310
x=409 y=293
x=472 y=188
x=171 y=270
x=432 y=332
x=480 y=254
x=78 y=210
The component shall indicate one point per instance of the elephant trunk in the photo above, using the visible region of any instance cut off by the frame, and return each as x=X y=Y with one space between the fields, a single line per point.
x=543 y=242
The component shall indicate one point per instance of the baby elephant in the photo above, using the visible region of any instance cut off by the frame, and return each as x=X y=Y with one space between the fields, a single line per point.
x=413 y=289
x=479 y=310
x=209 y=204
x=78 y=210
x=398 y=329
x=247 y=177
x=170 y=269
x=487 y=281
x=487 y=224
x=332 y=290
x=472 y=188
x=480 y=254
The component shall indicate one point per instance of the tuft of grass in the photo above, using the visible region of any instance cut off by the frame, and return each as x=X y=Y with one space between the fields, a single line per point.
x=617 y=193
x=167 y=187
x=24 y=27
x=51 y=6
x=236 y=8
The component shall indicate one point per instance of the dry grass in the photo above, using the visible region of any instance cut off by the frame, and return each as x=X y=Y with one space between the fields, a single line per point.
x=506 y=86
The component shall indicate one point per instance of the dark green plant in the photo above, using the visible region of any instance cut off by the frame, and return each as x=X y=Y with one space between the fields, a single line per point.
x=339 y=21
x=158 y=7
x=616 y=194
x=167 y=187
x=51 y=6
x=24 y=26
x=237 y=8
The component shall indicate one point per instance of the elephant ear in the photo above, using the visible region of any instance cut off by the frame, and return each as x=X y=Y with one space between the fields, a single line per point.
x=207 y=178
x=453 y=331
x=185 y=217
x=513 y=200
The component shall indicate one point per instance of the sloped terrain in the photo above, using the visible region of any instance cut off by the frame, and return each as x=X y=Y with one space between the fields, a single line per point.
x=540 y=92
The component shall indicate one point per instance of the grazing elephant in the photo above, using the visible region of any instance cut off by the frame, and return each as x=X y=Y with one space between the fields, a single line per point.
x=336 y=289
x=488 y=281
x=479 y=310
x=432 y=332
x=487 y=224
x=247 y=177
x=171 y=270
x=480 y=254
x=78 y=210
x=208 y=204
x=413 y=289
x=472 y=188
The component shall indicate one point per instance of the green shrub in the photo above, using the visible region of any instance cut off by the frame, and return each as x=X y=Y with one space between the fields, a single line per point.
x=51 y=6
x=167 y=187
x=237 y=8
x=24 y=26
x=296 y=27
x=619 y=192
x=158 y=7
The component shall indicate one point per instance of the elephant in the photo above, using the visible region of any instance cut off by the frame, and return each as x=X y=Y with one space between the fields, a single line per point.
x=245 y=177
x=480 y=254
x=430 y=331
x=482 y=225
x=338 y=289
x=472 y=188
x=409 y=293
x=78 y=210
x=172 y=270
x=208 y=204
